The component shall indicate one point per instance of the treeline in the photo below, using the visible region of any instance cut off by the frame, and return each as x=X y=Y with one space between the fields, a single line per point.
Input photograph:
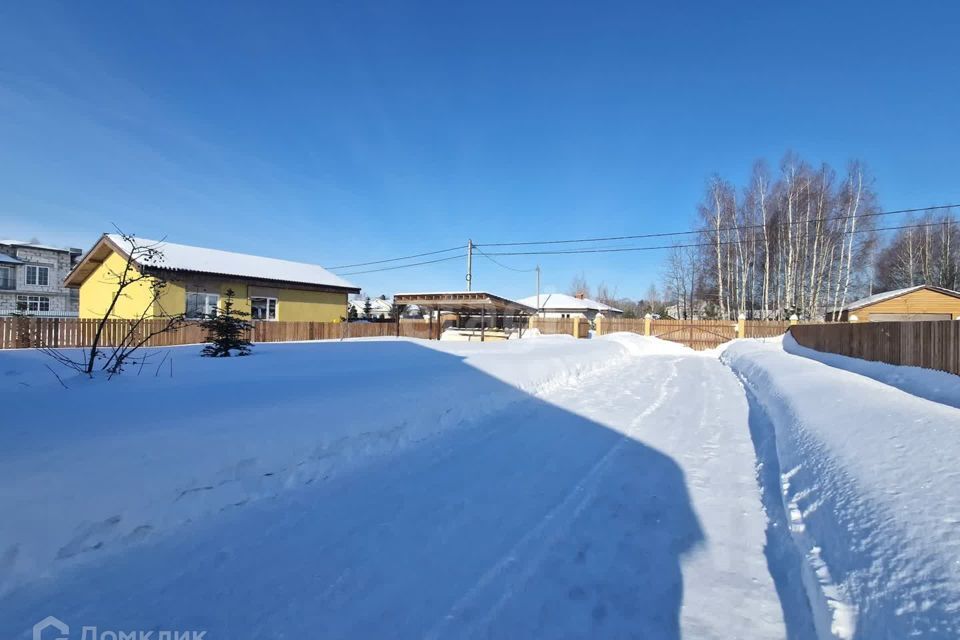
x=801 y=240
x=927 y=252
x=797 y=242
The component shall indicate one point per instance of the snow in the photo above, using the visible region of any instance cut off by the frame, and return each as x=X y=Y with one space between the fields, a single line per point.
x=158 y=451
x=621 y=486
x=938 y=386
x=32 y=245
x=868 y=480
x=181 y=257
x=389 y=488
x=562 y=301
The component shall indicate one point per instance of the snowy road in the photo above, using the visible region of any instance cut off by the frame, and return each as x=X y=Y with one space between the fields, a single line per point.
x=625 y=505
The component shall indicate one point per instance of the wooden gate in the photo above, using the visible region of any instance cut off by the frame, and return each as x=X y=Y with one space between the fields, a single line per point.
x=696 y=334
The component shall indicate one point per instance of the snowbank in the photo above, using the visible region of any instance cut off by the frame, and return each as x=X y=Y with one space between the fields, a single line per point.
x=647 y=346
x=938 y=386
x=104 y=464
x=869 y=482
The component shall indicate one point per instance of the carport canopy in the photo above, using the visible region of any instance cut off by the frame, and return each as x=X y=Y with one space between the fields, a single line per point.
x=466 y=303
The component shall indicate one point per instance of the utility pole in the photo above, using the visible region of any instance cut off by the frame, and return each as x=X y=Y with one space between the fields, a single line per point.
x=538 y=290
x=469 y=265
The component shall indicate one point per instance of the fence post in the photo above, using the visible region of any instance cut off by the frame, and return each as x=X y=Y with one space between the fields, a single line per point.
x=646 y=324
x=599 y=321
x=794 y=319
x=576 y=327
x=742 y=325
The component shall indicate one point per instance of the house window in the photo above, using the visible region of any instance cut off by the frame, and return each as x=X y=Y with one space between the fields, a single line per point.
x=7 y=279
x=200 y=305
x=263 y=308
x=38 y=275
x=33 y=303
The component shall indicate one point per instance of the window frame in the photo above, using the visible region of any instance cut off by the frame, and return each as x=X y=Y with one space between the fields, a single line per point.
x=27 y=300
x=268 y=299
x=36 y=275
x=207 y=308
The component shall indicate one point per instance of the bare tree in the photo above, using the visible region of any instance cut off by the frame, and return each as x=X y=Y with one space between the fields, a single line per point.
x=137 y=273
x=579 y=286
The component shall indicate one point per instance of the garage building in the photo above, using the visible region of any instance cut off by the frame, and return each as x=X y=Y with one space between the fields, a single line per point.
x=923 y=302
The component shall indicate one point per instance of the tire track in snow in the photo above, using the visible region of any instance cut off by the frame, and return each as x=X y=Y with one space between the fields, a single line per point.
x=524 y=561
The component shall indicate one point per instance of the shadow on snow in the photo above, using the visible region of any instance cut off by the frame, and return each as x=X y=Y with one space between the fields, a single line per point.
x=536 y=522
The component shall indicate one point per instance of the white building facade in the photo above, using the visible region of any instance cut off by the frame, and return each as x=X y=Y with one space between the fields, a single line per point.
x=31 y=279
x=561 y=305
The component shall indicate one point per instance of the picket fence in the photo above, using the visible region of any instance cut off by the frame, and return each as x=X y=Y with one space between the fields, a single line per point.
x=32 y=332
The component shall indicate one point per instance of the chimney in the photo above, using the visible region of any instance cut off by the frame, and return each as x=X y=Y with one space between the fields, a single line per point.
x=580 y=296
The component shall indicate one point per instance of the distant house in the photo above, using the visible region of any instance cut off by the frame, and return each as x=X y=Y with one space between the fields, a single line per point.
x=197 y=279
x=923 y=302
x=31 y=279
x=379 y=309
x=561 y=305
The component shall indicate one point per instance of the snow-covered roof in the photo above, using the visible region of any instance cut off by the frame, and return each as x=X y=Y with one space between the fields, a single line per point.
x=375 y=303
x=896 y=293
x=32 y=245
x=182 y=257
x=558 y=301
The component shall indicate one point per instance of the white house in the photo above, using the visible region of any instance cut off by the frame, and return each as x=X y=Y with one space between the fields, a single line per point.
x=31 y=279
x=561 y=305
x=379 y=309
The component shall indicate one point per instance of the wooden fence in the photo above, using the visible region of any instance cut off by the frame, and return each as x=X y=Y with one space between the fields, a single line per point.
x=765 y=328
x=30 y=332
x=932 y=345
x=578 y=328
x=696 y=334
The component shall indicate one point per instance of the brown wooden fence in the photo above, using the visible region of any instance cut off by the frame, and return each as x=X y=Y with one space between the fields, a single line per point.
x=26 y=332
x=696 y=334
x=765 y=328
x=932 y=345
x=562 y=326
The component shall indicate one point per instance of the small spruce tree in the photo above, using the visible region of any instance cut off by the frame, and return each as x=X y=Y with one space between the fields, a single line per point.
x=226 y=331
x=367 y=309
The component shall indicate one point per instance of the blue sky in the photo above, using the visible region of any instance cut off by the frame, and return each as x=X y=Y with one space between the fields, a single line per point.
x=344 y=132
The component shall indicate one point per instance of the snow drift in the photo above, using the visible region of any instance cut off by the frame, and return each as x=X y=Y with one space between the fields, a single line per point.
x=869 y=482
x=105 y=464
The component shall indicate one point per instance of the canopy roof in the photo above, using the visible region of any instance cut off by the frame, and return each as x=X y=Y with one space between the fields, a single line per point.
x=464 y=302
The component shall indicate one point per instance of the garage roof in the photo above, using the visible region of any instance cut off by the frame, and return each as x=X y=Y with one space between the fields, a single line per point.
x=896 y=293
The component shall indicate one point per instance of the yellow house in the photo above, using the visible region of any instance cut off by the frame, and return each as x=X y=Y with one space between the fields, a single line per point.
x=196 y=280
x=923 y=302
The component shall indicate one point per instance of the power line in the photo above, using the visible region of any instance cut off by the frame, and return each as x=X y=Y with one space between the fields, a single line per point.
x=687 y=233
x=403 y=266
x=683 y=246
x=625 y=237
x=498 y=263
x=416 y=255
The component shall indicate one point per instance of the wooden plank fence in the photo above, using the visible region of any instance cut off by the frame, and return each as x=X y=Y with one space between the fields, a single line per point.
x=32 y=332
x=562 y=326
x=696 y=334
x=932 y=345
x=765 y=328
